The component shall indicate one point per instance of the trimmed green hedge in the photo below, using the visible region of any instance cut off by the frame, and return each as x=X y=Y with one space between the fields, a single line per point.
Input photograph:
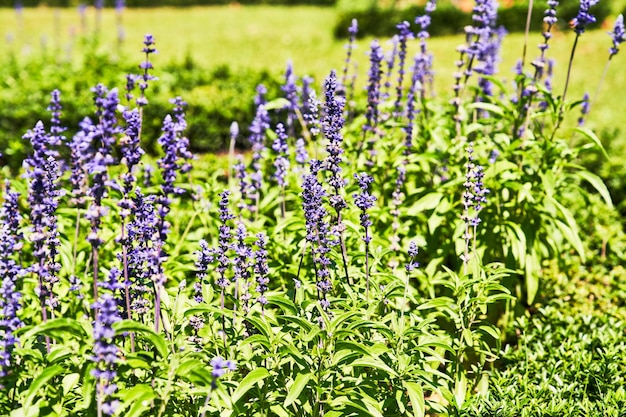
x=215 y=99
x=447 y=20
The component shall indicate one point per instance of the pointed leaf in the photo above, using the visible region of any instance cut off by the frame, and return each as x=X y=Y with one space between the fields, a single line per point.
x=416 y=395
x=248 y=382
x=298 y=385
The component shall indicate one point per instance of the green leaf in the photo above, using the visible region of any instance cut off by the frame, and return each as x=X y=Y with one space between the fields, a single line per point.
x=491 y=108
x=57 y=328
x=570 y=231
x=195 y=372
x=460 y=391
x=69 y=382
x=428 y=202
x=277 y=104
x=139 y=397
x=416 y=395
x=589 y=134
x=371 y=362
x=137 y=393
x=597 y=183
x=298 y=385
x=140 y=329
x=38 y=383
x=532 y=280
x=248 y=382
x=284 y=303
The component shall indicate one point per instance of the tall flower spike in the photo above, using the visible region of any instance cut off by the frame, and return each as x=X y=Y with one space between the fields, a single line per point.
x=105 y=353
x=146 y=66
x=281 y=163
x=584 y=109
x=56 y=129
x=617 y=35
x=258 y=128
x=332 y=123
x=291 y=94
x=404 y=34
x=42 y=171
x=241 y=266
x=10 y=245
x=317 y=230
x=373 y=98
x=261 y=269
x=390 y=61
x=143 y=262
x=365 y=201
x=584 y=17
x=474 y=196
x=352 y=31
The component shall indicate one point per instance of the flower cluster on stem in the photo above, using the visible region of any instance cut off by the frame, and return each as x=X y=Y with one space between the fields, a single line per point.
x=10 y=272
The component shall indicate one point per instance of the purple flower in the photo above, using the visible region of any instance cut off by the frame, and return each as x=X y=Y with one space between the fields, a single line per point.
x=311 y=116
x=396 y=201
x=584 y=17
x=373 y=87
x=364 y=201
x=224 y=240
x=259 y=126
x=261 y=269
x=241 y=263
x=302 y=155
x=475 y=192
x=404 y=34
x=332 y=123
x=413 y=250
x=425 y=20
x=281 y=163
x=618 y=35
x=143 y=256
x=174 y=161
x=390 y=62
x=317 y=229
x=146 y=66
x=291 y=94
x=221 y=366
x=488 y=59
x=42 y=171
x=206 y=256
x=105 y=352
x=10 y=272
x=56 y=129
x=352 y=30
x=131 y=155
x=584 y=110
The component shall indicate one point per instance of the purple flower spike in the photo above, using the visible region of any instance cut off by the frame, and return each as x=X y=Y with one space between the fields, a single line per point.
x=281 y=163
x=291 y=94
x=618 y=35
x=10 y=245
x=584 y=110
x=146 y=66
x=105 y=352
x=413 y=250
x=261 y=269
x=584 y=17
x=373 y=87
x=220 y=367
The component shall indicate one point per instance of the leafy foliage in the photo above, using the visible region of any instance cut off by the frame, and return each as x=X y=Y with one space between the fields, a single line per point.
x=267 y=285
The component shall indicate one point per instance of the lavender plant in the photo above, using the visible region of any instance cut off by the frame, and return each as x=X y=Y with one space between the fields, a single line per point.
x=303 y=340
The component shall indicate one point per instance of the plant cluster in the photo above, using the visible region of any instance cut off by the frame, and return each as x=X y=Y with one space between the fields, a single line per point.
x=357 y=262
